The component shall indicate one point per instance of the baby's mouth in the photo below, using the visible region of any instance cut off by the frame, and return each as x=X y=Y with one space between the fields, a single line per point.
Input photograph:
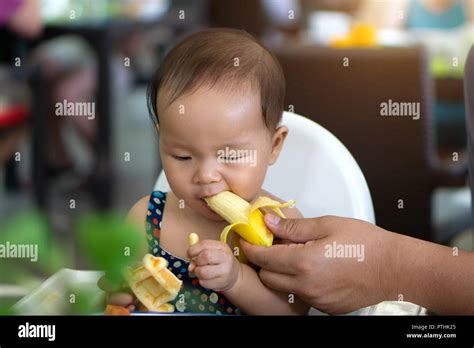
x=208 y=209
x=203 y=198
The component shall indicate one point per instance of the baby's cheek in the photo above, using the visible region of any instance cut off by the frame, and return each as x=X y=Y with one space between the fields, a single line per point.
x=177 y=179
x=246 y=181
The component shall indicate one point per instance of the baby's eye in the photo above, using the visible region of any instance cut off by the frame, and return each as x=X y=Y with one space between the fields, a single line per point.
x=233 y=158
x=182 y=158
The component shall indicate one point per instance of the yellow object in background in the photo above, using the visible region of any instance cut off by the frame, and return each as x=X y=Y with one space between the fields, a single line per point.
x=361 y=35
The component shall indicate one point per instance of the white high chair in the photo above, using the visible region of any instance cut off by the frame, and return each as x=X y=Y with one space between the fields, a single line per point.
x=316 y=170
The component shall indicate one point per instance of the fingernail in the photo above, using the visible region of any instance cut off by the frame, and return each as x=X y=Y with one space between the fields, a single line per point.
x=272 y=219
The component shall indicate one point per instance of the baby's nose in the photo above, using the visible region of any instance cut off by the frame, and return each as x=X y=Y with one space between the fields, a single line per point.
x=207 y=173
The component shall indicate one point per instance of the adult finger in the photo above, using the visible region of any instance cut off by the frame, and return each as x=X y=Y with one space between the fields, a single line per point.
x=277 y=258
x=278 y=281
x=296 y=230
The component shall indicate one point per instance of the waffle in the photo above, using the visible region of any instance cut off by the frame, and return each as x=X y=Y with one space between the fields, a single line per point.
x=153 y=284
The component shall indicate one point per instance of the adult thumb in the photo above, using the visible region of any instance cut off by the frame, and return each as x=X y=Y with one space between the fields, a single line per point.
x=295 y=230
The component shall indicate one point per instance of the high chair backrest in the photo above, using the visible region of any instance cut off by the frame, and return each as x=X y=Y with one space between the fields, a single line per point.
x=316 y=170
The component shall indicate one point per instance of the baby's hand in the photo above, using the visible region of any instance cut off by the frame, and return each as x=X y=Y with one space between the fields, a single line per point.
x=117 y=295
x=214 y=264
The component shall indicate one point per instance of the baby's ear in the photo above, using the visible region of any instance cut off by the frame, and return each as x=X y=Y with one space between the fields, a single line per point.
x=277 y=143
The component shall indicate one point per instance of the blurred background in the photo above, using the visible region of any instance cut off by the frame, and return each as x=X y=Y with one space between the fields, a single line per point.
x=341 y=58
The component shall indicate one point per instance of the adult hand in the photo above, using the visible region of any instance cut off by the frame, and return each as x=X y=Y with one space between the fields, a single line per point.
x=335 y=264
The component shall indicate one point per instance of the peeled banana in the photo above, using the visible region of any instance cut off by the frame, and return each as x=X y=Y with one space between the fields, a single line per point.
x=193 y=238
x=245 y=219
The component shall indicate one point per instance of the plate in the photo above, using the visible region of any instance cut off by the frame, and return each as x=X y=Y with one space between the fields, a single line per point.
x=68 y=291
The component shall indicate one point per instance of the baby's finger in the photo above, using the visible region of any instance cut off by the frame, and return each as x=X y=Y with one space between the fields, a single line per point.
x=209 y=257
x=191 y=267
x=209 y=272
x=197 y=248
x=121 y=299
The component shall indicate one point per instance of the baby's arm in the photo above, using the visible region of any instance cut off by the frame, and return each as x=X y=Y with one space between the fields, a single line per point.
x=216 y=267
x=258 y=298
x=254 y=298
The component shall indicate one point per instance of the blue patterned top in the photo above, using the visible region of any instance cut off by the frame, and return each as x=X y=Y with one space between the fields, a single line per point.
x=192 y=298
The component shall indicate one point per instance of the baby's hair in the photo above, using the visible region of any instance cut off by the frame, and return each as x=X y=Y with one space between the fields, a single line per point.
x=228 y=57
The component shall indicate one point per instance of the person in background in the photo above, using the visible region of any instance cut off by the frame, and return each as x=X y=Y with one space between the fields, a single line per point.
x=69 y=67
x=416 y=14
x=424 y=20
x=21 y=17
x=438 y=14
x=443 y=15
x=19 y=20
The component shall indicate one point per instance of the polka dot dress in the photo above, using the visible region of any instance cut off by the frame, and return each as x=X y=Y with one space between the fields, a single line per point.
x=192 y=298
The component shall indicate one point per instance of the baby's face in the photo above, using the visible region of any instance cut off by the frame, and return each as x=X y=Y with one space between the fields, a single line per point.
x=198 y=134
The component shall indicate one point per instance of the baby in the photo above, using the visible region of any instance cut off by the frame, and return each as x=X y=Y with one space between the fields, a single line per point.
x=217 y=91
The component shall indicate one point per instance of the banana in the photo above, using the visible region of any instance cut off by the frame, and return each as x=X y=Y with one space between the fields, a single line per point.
x=244 y=218
x=193 y=238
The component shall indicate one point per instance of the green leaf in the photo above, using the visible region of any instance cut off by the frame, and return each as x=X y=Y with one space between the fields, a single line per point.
x=31 y=229
x=110 y=244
